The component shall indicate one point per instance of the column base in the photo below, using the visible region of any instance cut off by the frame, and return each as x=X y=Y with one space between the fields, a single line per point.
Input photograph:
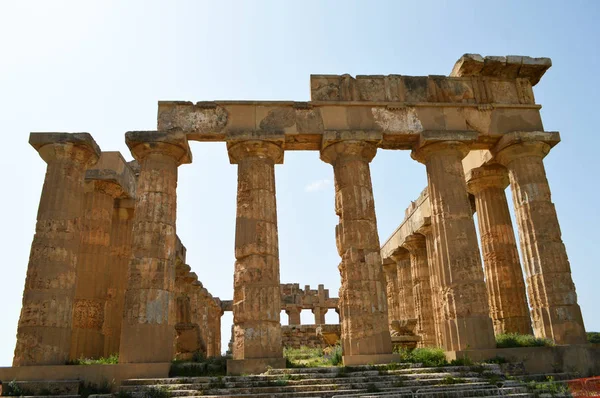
x=236 y=367
x=374 y=359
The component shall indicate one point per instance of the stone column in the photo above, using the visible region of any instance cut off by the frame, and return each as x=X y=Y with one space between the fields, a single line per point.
x=427 y=231
x=120 y=253
x=319 y=313
x=147 y=333
x=391 y=280
x=406 y=302
x=256 y=308
x=362 y=298
x=554 y=309
x=422 y=295
x=464 y=301
x=87 y=339
x=44 y=331
x=503 y=275
x=293 y=313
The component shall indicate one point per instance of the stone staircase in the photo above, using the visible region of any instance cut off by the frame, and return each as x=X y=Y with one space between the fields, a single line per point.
x=365 y=381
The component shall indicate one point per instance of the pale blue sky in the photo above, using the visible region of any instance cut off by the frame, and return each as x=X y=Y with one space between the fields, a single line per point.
x=102 y=66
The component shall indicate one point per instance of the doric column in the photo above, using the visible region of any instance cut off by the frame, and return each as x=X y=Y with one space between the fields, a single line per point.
x=421 y=282
x=120 y=254
x=363 y=301
x=434 y=281
x=464 y=297
x=391 y=282
x=256 y=308
x=554 y=309
x=406 y=303
x=319 y=313
x=147 y=332
x=503 y=275
x=293 y=313
x=44 y=331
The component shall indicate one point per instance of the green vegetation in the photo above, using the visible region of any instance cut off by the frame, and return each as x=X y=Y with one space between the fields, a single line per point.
x=550 y=386
x=428 y=357
x=593 y=337
x=156 y=392
x=111 y=360
x=214 y=366
x=13 y=389
x=452 y=380
x=511 y=340
x=497 y=359
x=305 y=357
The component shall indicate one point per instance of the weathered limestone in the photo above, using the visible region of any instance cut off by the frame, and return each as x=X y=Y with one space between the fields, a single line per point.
x=421 y=285
x=363 y=302
x=118 y=264
x=554 y=309
x=293 y=313
x=391 y=287
x=406 y=303
x=464 y=297
x=147 y=333
x=319 y=313
x=213 y=348
x=44 y=331
x=256 y=302
x=503 y=275
x=110 y=178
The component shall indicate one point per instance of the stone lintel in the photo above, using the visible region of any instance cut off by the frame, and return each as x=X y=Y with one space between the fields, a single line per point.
x=84 y=140
x=434 y=137
x=331 y=137
x=508 y=67
x=226 y=305
x=170 y=143
x=113 y=168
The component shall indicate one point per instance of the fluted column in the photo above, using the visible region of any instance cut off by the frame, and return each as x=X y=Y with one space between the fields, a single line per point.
x=147 y=332
x=293 y=313
x=406 y=304
x=87 y=339
x=552 y=296
x=363 y=301
x=256 y=302
x=120 y=253
x=45 y=324
x=421 y=282
x=464 y=296
x=391 y=282
x=319 y=313
x=503 y=274
x=434 y=282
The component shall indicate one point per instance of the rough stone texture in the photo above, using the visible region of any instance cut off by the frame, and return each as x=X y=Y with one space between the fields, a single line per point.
x=463 y=294
x=44 y=331
x=421 y=282
x=406 y=301
x=256 y=302
x=503 y=275
x=554 y=309
x=313 y=336
x=120 y=253
x=293 y=313
x=509 y=67
x=147 y=333
x=391 y=288
x=363 y=302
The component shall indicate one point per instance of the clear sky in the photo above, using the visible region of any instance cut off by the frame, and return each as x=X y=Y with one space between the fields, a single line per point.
x=101 y=67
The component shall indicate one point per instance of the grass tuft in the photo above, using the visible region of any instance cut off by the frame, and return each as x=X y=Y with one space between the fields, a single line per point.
x=429 y=357
x=512 y=340
x=111 y=360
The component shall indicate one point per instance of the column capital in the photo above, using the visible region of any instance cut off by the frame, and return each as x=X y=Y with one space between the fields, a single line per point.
x=491 y=176
x=113 y=169
x=520 y=144
x=400 y=254
x=255 y=148
x=169 y=143
x=389 y=264
x=415 y=242
x=364 y=150
x=78 y=147
x=438 y=142
x=109 y=188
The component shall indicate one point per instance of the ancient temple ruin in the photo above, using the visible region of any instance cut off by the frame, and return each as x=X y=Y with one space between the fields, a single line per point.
x=107 y=272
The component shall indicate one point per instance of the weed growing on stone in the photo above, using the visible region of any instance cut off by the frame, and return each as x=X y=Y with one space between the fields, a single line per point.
x=111 y=360
x=214 y=366
x=452 y=380
x=156 y=392
x=428 y=357
x=550 y=386
x=512 y=340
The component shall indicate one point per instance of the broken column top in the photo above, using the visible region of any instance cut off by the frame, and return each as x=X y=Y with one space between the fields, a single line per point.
x=510 y=67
